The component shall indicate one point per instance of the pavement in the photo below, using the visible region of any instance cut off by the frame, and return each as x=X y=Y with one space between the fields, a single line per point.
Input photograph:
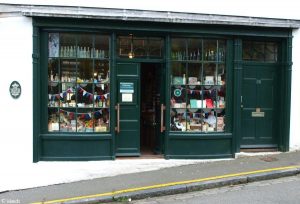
x=179 y=179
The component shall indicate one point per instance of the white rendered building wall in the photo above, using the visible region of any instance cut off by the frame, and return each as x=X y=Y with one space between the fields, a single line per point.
x=295 y=94
x=16 y=65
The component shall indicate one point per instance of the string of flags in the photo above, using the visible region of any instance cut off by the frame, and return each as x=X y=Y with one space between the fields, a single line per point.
x=191 y=91
x=86 y=116
x=85 y=93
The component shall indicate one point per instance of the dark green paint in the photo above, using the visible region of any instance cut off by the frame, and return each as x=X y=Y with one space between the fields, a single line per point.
x=259 y=90
x=49 y=147
x=91 y=148
x=128 y=139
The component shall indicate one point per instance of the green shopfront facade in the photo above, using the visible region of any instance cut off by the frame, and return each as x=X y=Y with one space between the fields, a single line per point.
x=102 y=88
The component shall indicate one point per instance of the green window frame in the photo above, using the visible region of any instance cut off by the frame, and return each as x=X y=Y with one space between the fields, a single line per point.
x=78 y=82
x=198 y=85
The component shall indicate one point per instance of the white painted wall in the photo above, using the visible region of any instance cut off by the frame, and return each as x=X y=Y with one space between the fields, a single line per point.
x=16 y=114
x=295 y=99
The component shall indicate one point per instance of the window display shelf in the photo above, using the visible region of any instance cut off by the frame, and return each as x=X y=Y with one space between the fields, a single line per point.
x=78 y=83
x=198 y=87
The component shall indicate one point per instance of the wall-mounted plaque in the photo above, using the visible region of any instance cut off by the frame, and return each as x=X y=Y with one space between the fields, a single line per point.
x=15 y=89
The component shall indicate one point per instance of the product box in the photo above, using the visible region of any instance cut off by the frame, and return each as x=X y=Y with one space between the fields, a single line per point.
x=194 y=103
x=209 y=80
x=178 y=80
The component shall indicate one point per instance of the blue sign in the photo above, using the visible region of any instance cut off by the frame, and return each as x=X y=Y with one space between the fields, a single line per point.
x=126 y=87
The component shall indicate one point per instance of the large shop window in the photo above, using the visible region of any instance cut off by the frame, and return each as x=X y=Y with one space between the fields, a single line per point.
x=198 y=85
x=78 y=83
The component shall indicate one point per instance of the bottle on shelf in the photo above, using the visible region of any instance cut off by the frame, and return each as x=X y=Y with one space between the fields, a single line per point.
x=51 y=76
x=183 y=79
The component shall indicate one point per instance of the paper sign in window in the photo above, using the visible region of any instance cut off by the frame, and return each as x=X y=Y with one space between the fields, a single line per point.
x=126 y=97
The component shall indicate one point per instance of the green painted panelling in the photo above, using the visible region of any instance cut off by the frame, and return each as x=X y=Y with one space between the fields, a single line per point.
x=75 y=148
x=129 y=125
x=127 y=70
x=129 y=139
x=199 y=147
x=132 y=109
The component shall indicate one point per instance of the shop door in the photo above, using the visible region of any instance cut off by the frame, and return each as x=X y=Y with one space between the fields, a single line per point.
x=259 y=105
x=128 y=110
x=152 y=108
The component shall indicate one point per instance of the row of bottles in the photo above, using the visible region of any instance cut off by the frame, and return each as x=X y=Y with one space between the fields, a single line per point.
x=82 y=52
x=196 y=55
x=210 y=55
x=71 y=77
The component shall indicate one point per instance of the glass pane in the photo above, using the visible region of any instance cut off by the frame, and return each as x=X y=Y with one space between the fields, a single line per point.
x=85 y=121
x=139 y=47
x=209 y=74
x=101 y=72
x=53 y=70
x=101 y=96
x=210 y=96
x=85 y=71
x=85 y=46
x=53 y=84
x=221 y=120
x=53 y=45
x=53 y=119
x=221 y=50
x=194 y=76
x=178 y=73
x=101 y=49
x=194 y=120
x=195 y=97
x=101 y=120
x=179 y=51
x=178 y=119
x=67 y=45
x=195 y=49
x=68 y=70
x=258 y=51
x=155 y=47
x=271 y=52
x=210 y=50
x=209 y=121
x=67 y=120
x=178 y=97
x=247 y=51
x=85 y=97
x=221 y=74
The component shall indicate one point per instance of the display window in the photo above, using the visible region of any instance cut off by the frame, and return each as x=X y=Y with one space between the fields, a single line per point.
x=198 y=85
x=78 y=83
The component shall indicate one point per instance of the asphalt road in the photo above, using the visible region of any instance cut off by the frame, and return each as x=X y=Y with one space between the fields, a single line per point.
x=284 y=190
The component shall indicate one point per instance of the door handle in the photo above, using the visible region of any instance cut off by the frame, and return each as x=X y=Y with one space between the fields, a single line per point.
x=162 y=127
x=117 y=108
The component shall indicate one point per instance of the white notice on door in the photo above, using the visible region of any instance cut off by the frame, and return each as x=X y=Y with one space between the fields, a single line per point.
x=126 y=97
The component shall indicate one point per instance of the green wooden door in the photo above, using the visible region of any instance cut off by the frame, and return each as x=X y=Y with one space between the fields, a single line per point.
x=259 y=105
x=128 y=98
